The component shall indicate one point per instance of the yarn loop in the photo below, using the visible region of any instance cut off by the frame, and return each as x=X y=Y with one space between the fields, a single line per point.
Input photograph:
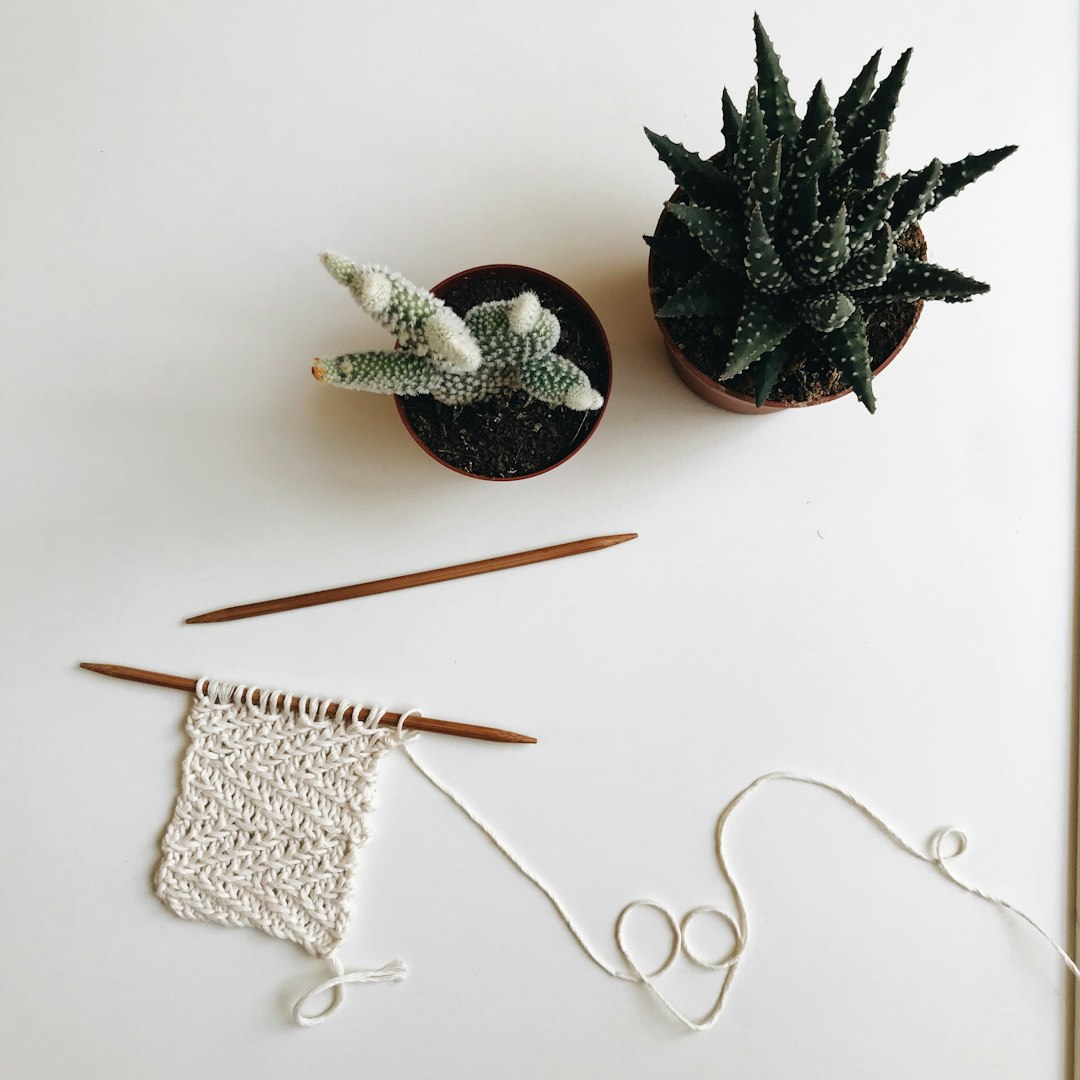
x=395 y=971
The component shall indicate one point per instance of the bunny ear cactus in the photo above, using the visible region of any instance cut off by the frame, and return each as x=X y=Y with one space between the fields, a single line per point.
x=793 y=235
x=458 y=361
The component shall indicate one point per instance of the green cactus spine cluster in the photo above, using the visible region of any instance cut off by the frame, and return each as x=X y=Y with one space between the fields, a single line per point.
x=458 y=361
x=794 y=232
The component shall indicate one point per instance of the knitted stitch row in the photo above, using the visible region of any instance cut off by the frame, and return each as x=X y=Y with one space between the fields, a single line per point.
x=271 y=815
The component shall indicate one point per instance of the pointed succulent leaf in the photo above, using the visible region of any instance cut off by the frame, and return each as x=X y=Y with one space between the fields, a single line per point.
x=914 y=195
x=763 y=323
x=732 y=126
x=764 y=190
x=866 y=163
x=818 y=110
x=714 y=230
x=764 y=269
x=871 y=265
x=911 y=279
x=846 y=350
x=869 y=210
x=819 y=258
x=767 y=370
x=710 y=291
x=679 y=249
x=397 y=371
x=818 y=114
x=877 y=114
x=700 y=179
x=817 y=153
x=753 y=141
x=799 y=211
x=825 y=313
x=777 y=104
x=958 y=174
x=858 y=93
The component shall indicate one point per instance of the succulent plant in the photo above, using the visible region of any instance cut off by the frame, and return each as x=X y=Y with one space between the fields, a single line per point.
x=498 y=344
x=794 y=232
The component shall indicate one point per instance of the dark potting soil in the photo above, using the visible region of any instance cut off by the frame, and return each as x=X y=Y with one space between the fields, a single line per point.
x=706 y=342
x=512 y=434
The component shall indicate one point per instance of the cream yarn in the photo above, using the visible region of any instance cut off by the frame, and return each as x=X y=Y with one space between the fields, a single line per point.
x=272 y=813
x=273 y=810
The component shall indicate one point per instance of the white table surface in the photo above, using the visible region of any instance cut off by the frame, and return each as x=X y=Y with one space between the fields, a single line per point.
x=882 y=601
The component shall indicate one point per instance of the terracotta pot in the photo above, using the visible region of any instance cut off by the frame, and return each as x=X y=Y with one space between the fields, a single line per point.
x=716 y=393
x=526 y=276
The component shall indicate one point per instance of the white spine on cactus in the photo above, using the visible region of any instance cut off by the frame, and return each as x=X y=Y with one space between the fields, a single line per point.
x=583 y=399
x=419 y=320
x=557 y=381
x=490 y=325
x=340 y=268
x=523 y=313
x=450 y=342
x=373 y=293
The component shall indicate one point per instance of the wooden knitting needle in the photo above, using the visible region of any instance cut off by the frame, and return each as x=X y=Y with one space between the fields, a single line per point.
x=413 y=723
x=408 y=581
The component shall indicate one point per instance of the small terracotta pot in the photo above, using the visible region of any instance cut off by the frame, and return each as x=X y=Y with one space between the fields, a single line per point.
x=716 y=393
x=527 y=277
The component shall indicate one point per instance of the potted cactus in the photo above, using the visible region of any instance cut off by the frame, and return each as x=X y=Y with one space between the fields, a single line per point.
x=789 y=268
x=477 y=379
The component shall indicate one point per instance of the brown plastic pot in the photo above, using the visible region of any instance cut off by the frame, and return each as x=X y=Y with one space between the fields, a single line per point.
x=527 y=276
x=716 y=393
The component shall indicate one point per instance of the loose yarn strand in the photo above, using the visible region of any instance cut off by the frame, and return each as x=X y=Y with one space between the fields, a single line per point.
x=516 y=862
x=739 y=923
x=937 y=855
x=395 y=971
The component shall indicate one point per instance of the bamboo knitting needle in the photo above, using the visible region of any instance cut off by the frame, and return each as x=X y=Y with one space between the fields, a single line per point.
x=408 y=581
x=413 y=723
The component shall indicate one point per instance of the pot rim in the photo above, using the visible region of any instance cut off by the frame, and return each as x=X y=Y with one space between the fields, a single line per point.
x=508 y=269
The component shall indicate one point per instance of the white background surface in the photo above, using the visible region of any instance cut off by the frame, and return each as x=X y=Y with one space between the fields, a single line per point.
x=884 y=601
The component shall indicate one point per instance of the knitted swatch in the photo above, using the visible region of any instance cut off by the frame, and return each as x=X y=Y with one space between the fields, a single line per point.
x=271 y=816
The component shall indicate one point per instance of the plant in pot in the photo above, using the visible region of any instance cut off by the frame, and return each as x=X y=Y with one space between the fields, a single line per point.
x=475 y=373
x=788 y=269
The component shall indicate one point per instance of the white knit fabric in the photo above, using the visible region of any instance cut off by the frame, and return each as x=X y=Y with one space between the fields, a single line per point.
x=271 y=815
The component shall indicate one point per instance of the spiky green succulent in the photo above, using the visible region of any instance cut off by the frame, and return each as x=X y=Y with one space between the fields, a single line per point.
x=498 y=344
x=794 y=233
